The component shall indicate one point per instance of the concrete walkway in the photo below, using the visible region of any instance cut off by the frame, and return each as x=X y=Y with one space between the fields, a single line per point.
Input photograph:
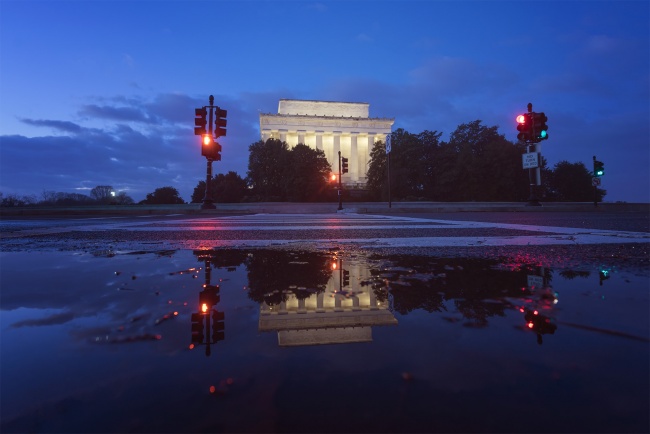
x=330 y=207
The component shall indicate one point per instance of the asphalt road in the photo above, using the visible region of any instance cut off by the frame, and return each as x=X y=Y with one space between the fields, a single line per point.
x=559 y=239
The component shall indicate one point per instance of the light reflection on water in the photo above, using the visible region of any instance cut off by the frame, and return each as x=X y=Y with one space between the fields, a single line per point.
x=318 y=341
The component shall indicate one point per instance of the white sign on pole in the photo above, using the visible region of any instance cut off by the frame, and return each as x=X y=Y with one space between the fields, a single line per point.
x=388 y=147
x=530 y=160
x=535 y=281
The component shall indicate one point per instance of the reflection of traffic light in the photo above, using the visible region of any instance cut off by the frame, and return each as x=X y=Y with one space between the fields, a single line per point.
x=218 y=326
x=525 y=127
x=198 y=328
x=344 y=165
x=199 y=121
x=539 y=323
x=599 y=168
x=603 y=274
x=540 y=128
x=220 y=122
x=346 y=278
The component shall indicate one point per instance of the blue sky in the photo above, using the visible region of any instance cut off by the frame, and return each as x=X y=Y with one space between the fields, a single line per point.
x=103 y=92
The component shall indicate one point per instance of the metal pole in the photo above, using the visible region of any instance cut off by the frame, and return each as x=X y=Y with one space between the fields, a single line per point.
x=534 y=175
x=340 y=185
x=389 y=198
x=595 y=186
x=208 y=202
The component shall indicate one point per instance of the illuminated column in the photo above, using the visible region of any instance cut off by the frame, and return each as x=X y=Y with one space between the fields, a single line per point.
x=354 y=158
x=319 y=302
x=301 y=306
x=371 y=142
x=336 y=148
x=283 y=135
x=328 y=146
x=319 y=140
x=301 y=137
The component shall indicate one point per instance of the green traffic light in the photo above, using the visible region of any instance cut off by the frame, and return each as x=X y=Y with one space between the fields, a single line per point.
x=543 y=134
x=600 y=173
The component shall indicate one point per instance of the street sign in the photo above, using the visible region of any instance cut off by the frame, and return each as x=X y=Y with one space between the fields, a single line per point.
x=530 y=160
x=535 y=281
x=595 y=181
x=388 y=146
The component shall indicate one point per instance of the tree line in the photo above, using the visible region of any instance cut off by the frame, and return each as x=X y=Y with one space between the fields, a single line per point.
x=99 y=195
x=476 y=164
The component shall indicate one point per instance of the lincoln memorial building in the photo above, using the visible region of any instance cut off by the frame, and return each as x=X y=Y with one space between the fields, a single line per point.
x=330 y=127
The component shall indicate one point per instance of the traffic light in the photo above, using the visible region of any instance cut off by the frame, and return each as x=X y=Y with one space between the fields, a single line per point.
x=346 y=278
x=220 y=122
x=344 y=165
x=525 y=127
x=198 y=329
x=599 y=168
x=199 y=121
x=211 y=149
x=540 y=128
x=218 y=326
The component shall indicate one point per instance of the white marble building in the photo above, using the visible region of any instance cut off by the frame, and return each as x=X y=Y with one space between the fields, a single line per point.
x=331 y=127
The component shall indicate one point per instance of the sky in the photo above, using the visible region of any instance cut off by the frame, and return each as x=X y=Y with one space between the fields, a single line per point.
x=99 y=92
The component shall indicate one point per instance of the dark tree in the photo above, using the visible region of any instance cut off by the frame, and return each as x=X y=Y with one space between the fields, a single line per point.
x=572 y=182
x=229 y=188
x=102 y=193
x=307 y=174
x=478 y=164
x=163 y=195
x=267 y=167
x=377 y=172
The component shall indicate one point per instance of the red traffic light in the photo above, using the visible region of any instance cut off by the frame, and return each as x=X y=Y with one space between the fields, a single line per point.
x=521 y=119
x=207 y=140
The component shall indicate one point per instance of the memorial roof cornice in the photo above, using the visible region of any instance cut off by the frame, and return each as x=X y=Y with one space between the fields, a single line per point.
x=338 y=118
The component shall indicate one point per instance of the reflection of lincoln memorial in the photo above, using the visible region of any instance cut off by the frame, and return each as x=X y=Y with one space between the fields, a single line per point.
x=331 y=127
x=329 y=317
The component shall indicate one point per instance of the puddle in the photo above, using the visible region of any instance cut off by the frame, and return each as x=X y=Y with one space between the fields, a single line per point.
x=280 y=341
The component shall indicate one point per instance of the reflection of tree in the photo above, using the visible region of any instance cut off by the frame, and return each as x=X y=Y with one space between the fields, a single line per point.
x=477 y=287
x=222 y=258
x=273 y=275
x=572 y=274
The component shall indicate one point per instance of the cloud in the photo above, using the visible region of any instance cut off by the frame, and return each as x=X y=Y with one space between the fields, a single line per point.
x=65 y=126
x=133 y=114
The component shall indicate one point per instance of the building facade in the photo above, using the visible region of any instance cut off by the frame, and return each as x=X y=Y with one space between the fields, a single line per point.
x=330 y=127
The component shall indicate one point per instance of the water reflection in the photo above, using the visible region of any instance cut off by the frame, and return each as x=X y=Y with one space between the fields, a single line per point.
x=427 y=341
x=208 y=323
x=343 y=310
x=311 y=298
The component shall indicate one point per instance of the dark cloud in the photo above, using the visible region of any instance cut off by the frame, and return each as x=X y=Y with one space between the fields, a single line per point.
x=134 y=114
x=65 y=126
x=56 y=319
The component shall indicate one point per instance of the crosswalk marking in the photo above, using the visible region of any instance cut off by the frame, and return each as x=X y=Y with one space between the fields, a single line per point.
x=320 y=229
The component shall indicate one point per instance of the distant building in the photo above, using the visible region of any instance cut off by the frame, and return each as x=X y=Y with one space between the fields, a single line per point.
x=331 y=127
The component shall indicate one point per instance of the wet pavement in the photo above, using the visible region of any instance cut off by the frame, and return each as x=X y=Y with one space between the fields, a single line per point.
x=319 y=341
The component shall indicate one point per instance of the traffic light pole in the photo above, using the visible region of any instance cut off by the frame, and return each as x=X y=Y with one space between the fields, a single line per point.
x=595 y=186
x=340 y=186
x=534 y=174
x=208 y=201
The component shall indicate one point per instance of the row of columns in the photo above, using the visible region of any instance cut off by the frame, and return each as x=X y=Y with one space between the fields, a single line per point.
x=355 y=146
x=307 y=305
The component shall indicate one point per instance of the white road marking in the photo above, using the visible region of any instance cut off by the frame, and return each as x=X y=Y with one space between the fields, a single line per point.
x=548 y=235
